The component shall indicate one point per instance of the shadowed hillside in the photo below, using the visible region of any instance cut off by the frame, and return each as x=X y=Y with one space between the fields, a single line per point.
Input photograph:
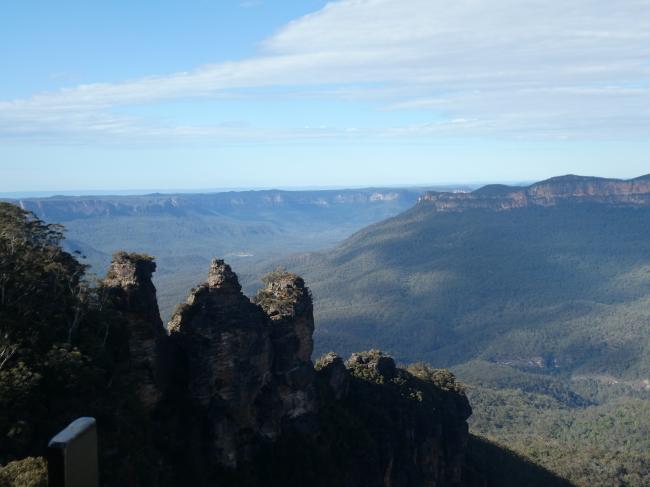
x=538 y=297
x=561 y=287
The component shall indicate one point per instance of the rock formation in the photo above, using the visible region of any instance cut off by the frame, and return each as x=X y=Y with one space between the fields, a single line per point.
x=287 y=302
x=552 y=192
x=129 y=289
x=225 y=341
x=332 y=372
x=238 y=400
x=415 y=421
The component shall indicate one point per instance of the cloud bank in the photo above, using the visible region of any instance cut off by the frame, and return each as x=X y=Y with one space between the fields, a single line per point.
x=525 y=68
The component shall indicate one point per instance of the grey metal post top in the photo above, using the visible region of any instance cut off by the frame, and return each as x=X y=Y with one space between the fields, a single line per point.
x=74 y=430
x=72 y=456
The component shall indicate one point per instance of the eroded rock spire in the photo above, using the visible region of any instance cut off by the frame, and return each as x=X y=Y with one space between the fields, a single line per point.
x=129 y=289
x=225 y=341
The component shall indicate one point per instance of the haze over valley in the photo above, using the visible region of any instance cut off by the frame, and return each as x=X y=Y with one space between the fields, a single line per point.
x=185 y=231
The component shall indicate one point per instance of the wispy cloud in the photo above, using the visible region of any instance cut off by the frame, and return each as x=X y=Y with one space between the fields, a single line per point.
x=525 y=67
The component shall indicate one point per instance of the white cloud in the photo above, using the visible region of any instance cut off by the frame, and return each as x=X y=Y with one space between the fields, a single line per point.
x=509 y=66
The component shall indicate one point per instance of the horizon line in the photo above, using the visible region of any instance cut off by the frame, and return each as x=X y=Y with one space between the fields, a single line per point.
x=35 y=194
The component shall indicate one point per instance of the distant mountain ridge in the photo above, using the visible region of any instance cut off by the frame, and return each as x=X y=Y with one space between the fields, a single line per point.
x=64 y=208
x=551 y=192
x=184 y=231
x=552 y=276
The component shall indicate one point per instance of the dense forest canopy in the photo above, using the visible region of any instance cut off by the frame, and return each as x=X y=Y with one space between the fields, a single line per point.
x=537 y=297
x=60 y=347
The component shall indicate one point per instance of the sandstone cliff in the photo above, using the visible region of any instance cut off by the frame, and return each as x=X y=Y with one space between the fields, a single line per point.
x=552 y=192
x=234 y=398
x=128 y=289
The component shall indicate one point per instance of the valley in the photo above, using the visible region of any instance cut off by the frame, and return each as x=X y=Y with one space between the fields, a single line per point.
x=537 y=298
x=185 y=231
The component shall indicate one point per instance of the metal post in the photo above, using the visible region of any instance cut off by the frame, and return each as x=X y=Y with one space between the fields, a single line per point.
x=72 y=456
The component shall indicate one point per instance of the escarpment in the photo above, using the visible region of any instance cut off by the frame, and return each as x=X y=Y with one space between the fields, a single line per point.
x=552 y=192
x=225 y=343
x=287 y=302
x=238 y=400
x=128 y=289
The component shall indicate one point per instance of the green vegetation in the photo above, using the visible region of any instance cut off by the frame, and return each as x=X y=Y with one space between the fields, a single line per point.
x=61 y=353
x=564 y=288
x=505 y=468
x=44 y=304
x=279 y=292
x=586 y=430
x=543 y=312
x=30 y=472
x=442 y=378
x=599 y=446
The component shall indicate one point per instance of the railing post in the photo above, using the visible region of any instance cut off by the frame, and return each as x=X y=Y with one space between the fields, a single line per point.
x=72 y=456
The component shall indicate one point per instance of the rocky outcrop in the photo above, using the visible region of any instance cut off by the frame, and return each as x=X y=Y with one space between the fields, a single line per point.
x=128 y=289
x=288 y=304
x=238 y=400
x=333 y=374
x=552 y=192
x=224 y=339
x=414 y=421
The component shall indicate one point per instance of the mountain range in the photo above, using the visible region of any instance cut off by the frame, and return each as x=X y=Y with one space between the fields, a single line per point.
x=538 y=298
x=184 y=231
x=555 y=276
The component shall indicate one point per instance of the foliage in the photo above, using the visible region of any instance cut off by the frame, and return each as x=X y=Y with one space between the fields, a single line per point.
x=40 y=284
x=131 y=256
x=43 y=305
x=565 y=288
x=442 y=378
x=281 y=292
x=29 y=472
x=280 y=273
x=505 y=468
x=372 y=366
x=600 y=445
x=543 y=312
x=62 y=351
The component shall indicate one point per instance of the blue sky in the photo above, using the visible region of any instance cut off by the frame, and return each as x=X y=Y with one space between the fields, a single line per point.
x=268 y=93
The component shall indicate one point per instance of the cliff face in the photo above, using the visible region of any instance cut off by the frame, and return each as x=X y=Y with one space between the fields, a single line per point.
x=416 y=418
x=287 y=302
x=65 y=208
x=236 y=399
x=225 y=342
x=129 y=290
x=555 y=191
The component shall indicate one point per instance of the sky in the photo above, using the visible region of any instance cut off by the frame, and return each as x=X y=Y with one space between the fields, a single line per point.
x=162 y=94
